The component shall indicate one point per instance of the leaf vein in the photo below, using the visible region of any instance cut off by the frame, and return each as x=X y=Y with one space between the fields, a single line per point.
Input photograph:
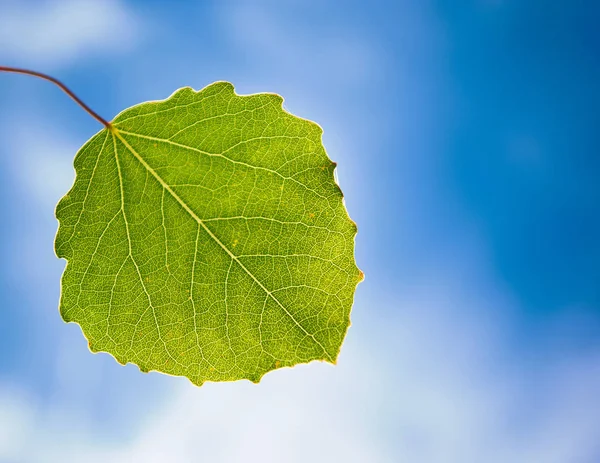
x=159 y=179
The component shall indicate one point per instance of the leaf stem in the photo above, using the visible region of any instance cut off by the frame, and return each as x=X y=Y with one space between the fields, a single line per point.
x=63 y=87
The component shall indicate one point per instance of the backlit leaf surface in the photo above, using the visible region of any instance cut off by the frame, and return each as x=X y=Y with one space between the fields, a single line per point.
x=206 y=237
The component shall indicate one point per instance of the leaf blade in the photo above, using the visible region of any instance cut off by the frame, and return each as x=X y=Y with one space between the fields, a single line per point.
x=248 y=208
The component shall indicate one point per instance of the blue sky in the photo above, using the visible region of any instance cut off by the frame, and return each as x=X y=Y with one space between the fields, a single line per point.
x=466 y=140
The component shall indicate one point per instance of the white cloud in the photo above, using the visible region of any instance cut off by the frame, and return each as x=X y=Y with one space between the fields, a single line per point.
x=16 y=421
x=40 y=160
x=41 y=163
x=56 y=33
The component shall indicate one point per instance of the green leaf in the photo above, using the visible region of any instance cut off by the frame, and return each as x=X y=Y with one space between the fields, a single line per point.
x=206 y=237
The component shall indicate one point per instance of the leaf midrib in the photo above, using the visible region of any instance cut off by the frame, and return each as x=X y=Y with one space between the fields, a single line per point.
x=192 y=214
